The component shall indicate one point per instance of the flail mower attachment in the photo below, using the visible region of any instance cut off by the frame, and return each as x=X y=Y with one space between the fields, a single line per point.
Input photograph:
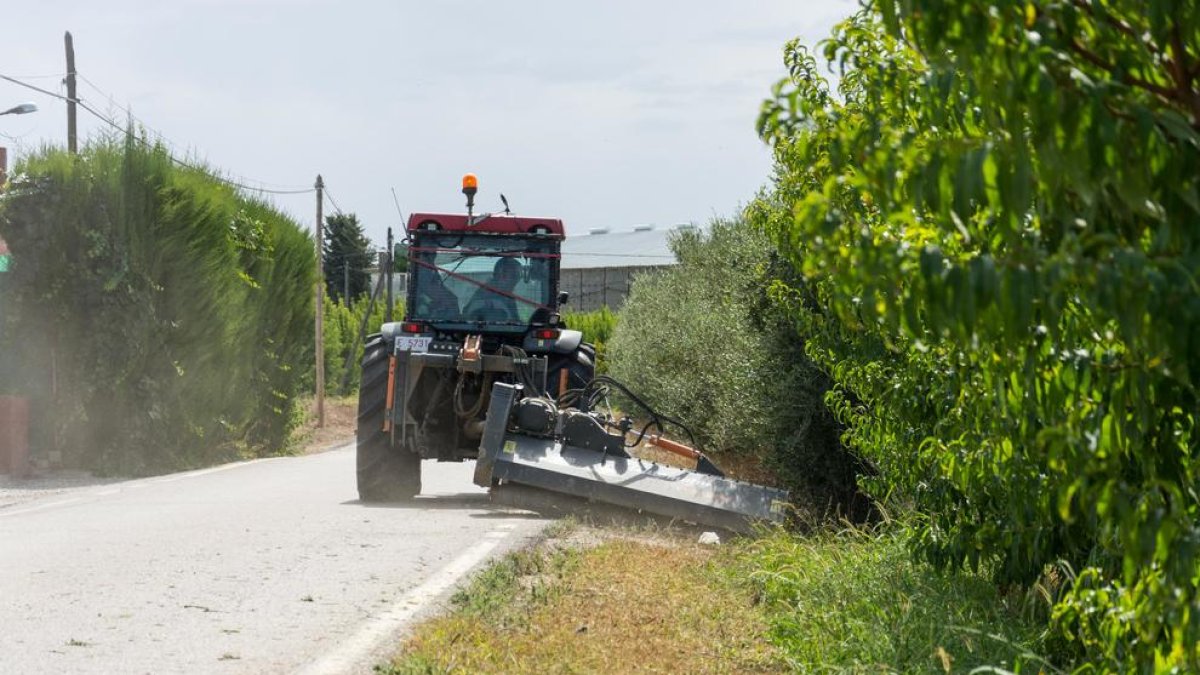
x=534 y=443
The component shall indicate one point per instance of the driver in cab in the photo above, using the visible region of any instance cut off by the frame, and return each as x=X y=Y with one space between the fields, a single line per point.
x=498 y=304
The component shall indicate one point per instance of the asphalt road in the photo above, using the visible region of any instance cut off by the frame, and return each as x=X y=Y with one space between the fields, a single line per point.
x=271 y=566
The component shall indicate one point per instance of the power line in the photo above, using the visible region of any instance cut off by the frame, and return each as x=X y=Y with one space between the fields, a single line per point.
x=396 y=201
x=98 y=90
x=30 y=86
x=112 y=102
x=47 y=76
x=146 y=143
x=285 y=189
x=332 y=202
x=241 y=183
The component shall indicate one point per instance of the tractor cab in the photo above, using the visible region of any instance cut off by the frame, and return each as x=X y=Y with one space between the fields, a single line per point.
x=479 y=279
x=491 y=275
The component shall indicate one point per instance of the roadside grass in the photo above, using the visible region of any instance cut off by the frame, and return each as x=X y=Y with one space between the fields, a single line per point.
x=855 y=601
x=617 y=606
x=624 y=601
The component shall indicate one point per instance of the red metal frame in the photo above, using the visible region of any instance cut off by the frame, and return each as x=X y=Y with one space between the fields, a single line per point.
x=494 y=224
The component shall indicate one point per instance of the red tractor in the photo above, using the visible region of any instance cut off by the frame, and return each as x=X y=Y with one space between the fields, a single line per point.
x=482 y=307
x=481 y=367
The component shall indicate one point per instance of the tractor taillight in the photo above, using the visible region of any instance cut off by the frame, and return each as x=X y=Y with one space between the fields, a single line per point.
x=411 y=327
x=546 y=334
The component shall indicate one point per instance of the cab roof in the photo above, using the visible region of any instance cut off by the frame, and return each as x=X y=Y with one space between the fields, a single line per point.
x=490 y=224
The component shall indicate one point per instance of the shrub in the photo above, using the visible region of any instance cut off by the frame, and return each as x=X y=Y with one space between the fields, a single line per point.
x=598 y=328
x=344 y=343
x=855 y=602
x=705 y=342
x=997 y=214
x=157 y=318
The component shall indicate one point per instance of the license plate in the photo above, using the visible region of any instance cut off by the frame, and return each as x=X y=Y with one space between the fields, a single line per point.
x=407 y=343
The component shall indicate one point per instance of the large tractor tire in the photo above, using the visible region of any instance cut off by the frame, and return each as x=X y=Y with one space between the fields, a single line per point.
x=385 y=473
x=580 y=366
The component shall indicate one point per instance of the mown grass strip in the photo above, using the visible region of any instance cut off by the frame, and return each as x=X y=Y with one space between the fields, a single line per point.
x=621 y=606
x=830 y=603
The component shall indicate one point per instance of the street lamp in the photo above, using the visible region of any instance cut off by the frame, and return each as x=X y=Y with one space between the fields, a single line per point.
x=15 y=110
x=20 y=109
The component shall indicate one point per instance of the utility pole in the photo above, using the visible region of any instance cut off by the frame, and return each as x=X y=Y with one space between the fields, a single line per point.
x=345 y=281
x=72 y=145
x=391 y=267
x=320 y=187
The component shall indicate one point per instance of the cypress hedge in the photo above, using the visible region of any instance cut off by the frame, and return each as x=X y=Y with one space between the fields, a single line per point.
x=156 y=317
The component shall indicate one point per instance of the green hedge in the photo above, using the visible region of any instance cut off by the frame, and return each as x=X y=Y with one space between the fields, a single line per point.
x=156 y=317
x=707 y=342
x=997 y=210
x=342 y=325
x=598 y=328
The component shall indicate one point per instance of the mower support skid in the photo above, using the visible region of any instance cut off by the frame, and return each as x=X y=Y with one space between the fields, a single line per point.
x=549 y=464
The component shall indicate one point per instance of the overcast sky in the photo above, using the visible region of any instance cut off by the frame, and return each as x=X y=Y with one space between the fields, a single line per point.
x=609 y=113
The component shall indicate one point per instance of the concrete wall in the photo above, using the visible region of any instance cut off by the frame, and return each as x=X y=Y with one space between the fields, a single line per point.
x=594 y=288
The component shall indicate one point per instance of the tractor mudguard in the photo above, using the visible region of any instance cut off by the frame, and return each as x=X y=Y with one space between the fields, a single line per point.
x=389 y=331
x=568 y=341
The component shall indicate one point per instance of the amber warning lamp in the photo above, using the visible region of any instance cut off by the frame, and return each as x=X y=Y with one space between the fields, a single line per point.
x=470 y=187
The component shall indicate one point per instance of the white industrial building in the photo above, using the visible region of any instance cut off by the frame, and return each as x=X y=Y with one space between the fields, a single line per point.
x=598 y=267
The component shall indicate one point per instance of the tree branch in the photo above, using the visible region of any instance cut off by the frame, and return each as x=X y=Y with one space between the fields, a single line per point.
x=1115 y=23
x=1183 y=77
x=1165 y=93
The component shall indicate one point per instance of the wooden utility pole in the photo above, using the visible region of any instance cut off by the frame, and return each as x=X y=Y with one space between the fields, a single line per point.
x=387 y=273
x=320 y=186
x=72 y=145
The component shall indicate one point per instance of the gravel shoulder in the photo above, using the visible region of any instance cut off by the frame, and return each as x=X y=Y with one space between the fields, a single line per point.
x=340 y=419
x=16 y=491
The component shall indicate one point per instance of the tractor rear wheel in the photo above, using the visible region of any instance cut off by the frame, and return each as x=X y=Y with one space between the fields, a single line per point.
x=580 y=367
x=385 y=473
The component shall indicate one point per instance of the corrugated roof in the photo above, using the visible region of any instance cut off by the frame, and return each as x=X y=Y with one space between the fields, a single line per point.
x=639 y=246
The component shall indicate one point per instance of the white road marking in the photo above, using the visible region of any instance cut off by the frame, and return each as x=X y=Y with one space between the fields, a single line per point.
x=204 y=472
x=135 y=484
x=370 y=636
x=39 y=507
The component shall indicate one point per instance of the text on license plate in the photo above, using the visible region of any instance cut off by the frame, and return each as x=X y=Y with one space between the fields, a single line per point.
x=407 y=343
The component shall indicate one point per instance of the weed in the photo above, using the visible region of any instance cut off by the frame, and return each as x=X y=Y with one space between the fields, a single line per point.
x=561 y=529
x=854 y=600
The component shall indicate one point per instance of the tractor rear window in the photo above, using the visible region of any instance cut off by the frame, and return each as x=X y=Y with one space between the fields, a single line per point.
x=474 y=279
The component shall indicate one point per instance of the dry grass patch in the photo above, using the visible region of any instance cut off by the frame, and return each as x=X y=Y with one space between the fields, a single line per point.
x=621 y=606
x=341 y=418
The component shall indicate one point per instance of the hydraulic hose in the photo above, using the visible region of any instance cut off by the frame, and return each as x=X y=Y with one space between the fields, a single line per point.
x=599 y=384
